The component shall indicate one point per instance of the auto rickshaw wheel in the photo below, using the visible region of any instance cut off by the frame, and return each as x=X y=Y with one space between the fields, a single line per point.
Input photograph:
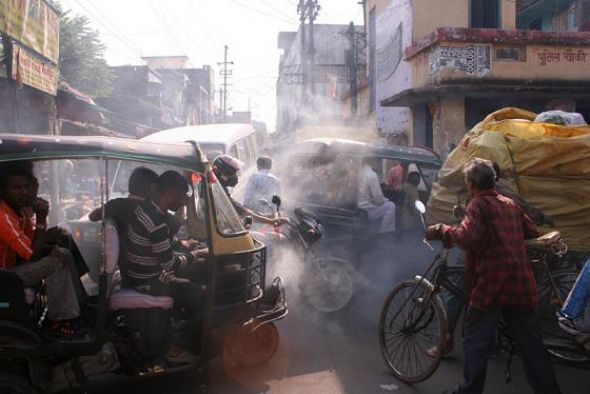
x=15 y=384
x=251 y=348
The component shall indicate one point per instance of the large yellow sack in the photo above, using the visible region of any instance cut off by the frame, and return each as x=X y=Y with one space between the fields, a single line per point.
x=547 y=164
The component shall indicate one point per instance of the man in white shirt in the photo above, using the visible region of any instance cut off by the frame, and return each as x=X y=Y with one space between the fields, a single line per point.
x=381 y=211
x=262 y=185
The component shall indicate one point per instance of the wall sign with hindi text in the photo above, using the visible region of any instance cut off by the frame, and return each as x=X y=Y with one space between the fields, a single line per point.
x=547 y=56
x=30 y=70
x=473 y=59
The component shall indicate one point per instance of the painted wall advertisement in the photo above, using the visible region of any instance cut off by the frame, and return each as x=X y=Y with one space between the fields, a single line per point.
x=393 y=74
x=32 y=71
x=33 y=23
x=471 y=59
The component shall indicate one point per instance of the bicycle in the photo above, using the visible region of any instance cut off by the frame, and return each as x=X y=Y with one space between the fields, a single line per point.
x=413 y=318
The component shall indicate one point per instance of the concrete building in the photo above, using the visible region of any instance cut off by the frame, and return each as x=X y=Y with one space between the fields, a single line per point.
x=162 y=94
x=201 y=91
x=318 y=95
x=166 y=62
x=436 y=68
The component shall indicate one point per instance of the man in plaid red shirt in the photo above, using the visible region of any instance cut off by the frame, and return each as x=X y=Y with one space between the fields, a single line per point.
x=500 y=281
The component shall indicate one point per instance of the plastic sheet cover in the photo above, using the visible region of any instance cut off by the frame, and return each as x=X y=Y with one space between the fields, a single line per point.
x=547 y=164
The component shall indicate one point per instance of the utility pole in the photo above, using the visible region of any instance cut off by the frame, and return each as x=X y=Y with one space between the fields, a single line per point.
x=220 y=91
x=308 y=10
x=352 y=60
x=313 y=10
x=302 y=11
x=224 y=73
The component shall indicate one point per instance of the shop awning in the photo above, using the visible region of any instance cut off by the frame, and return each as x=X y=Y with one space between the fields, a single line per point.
x=537 y=89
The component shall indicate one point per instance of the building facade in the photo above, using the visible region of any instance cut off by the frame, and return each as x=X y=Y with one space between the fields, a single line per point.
x=436 y=68
x=320 y=91
x=162 y=94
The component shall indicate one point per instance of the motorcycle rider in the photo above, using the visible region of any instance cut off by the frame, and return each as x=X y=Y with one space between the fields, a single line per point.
x=226 y=169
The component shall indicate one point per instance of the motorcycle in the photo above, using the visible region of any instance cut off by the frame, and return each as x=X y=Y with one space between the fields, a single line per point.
x=327 y=282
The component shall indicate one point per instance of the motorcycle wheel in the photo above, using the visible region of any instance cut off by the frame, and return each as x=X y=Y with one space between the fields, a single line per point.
x=329 y=287
x=251 y=348
x=14 y=384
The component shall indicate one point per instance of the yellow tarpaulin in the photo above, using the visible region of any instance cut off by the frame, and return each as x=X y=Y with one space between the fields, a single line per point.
x=547 y=164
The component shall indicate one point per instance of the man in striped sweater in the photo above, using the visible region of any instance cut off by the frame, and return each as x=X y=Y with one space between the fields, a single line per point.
x=152 y=264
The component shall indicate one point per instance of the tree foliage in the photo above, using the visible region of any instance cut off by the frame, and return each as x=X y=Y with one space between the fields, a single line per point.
x=81 y=55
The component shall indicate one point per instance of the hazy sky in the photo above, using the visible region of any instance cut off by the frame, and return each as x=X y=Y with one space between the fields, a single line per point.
x=200 y=28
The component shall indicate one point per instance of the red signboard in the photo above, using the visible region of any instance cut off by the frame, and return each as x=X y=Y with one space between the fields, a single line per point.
x=30 y=70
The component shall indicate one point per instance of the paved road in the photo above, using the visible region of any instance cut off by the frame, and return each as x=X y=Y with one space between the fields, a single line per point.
x=339 y=353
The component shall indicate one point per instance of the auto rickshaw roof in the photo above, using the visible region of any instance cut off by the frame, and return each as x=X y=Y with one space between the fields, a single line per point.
x=43 y=147
x=332 y=147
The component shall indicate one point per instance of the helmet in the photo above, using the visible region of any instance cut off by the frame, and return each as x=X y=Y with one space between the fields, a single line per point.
x=226 y=170
x=227 y=165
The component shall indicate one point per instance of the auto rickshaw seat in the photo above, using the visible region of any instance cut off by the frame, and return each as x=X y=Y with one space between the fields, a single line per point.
x=125 y=298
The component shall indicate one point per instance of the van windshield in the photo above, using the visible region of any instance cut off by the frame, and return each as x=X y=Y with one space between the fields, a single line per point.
x=212 y=150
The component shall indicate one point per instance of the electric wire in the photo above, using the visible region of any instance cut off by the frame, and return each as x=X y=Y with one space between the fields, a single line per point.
x=109 y=27
x=260 y=12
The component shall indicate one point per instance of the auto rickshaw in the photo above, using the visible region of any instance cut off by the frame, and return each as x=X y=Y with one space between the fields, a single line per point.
x=321 y=175
x=239 y=311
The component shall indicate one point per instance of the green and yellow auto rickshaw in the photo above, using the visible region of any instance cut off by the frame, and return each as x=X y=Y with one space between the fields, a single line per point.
x=79 y=174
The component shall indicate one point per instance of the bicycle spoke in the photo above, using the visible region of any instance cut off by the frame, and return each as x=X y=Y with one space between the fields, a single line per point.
x=395 y=350
x=410 y=324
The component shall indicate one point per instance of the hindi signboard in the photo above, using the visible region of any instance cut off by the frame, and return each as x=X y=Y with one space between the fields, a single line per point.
x=33 y=23
x=472 y=59
x=30 y=70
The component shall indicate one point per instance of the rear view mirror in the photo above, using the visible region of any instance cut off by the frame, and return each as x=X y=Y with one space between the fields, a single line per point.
x=276 y=200
x=419 y=205
x=247 y=221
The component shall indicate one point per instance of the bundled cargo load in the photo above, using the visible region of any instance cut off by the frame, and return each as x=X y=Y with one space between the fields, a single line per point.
x=546 y=164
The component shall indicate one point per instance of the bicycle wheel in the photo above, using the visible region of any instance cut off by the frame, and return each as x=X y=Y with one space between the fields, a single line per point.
x=409 y=325
x=559 y=343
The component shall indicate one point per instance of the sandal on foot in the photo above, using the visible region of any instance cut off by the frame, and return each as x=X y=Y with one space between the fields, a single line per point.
x=568 y=326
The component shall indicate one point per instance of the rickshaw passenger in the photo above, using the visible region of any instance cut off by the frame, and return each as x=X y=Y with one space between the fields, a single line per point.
x=410 y=219
x=24 y=238
x=153 y=266
x=395 y=176
x=381 y=211
x=141 y=186
x=57 y=236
